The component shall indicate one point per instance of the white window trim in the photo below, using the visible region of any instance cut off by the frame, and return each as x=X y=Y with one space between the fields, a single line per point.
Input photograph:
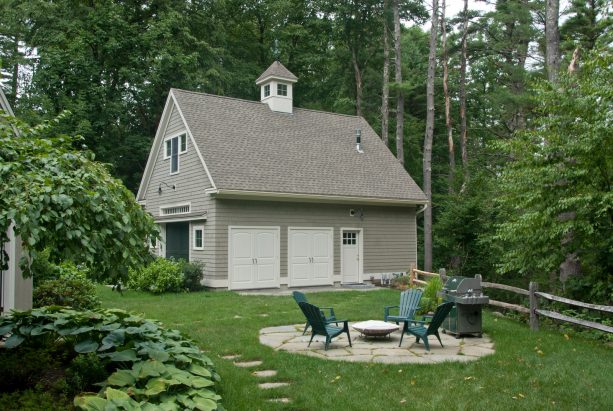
x=267 y=86
x=281 y=85
x=194 y=229
x=167 y=156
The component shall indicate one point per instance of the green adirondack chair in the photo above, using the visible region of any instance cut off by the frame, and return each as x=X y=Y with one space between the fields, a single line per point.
x=409 y=304
x=319 y=326
x=420 y=331
x=330 y=318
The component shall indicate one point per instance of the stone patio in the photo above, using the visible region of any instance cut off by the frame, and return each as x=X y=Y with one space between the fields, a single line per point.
x=377 y=349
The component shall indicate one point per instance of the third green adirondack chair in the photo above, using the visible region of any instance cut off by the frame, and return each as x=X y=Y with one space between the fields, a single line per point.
x=419 y=330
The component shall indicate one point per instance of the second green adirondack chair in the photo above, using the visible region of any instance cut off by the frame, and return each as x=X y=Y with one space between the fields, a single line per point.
x=409 y=304
x=330 y=318
x=319 y=326
x=421 y=332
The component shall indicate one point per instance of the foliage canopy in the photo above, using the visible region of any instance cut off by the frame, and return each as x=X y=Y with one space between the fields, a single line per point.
x=59 y=197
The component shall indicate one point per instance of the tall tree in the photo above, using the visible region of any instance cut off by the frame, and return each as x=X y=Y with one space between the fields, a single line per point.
x=399 y=92
x=385 y=112
x=429 y=137
x=463 y=60
x=450 y=145
x=552 y=39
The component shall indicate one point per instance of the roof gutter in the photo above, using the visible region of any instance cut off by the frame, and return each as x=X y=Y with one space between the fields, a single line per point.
x=313 y=198
x=422 y=209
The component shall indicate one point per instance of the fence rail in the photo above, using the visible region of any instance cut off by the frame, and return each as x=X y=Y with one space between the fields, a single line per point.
x=533 y=294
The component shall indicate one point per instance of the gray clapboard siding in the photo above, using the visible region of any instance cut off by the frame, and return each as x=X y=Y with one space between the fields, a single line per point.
x=190 y=182
x=389 y=233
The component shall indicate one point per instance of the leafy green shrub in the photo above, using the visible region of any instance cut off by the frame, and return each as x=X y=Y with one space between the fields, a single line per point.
x=192 y=275
x=31 y=400
x=160 y=276
x=71 y=288
x=401 y=282
x=430 y=299
x=85 y=371
x=151 y=367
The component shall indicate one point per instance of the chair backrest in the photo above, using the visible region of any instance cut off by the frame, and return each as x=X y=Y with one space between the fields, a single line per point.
x=439 y=315
x=299 y=297
x=314 y=317
x=409 y=301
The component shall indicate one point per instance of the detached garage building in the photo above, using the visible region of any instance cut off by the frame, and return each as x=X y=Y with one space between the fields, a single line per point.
x=268 y=195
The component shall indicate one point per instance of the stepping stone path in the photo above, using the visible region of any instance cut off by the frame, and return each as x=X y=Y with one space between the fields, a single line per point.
x=377 y=350
x=270 y=385
x=248 y=364
x=260 y=374
x=265 y=373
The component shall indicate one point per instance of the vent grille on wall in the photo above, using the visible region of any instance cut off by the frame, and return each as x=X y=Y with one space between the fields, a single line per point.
x=181 y=209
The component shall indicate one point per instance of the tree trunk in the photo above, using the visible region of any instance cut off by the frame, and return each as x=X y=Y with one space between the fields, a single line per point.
x=427 y=164
x=463 y=127
x=358 y=84
x=12 y=97
x=552 y=38
x=385 y=112
x=399 y=94
x=447 y=101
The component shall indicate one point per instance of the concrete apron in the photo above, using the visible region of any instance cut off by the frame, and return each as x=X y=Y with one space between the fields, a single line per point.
x=377 y=349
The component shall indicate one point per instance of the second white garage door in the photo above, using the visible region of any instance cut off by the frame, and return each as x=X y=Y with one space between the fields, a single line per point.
x=310 y=256
x=253 y=257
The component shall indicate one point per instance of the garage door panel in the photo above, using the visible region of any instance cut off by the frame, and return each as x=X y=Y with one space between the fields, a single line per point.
x=253 y=258
x=310 y=257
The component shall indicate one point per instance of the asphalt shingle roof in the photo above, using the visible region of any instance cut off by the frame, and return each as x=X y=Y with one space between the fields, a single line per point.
x=247 y=146
x=277 y=69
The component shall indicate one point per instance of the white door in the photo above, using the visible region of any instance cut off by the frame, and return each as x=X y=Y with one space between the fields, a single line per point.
x=253 y=257
x=310 y=256
x=350 y=255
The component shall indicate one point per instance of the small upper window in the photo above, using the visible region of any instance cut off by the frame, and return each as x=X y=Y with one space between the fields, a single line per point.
x=173 y=147
x=267 y=90
x=282 y=89
x=198 y=238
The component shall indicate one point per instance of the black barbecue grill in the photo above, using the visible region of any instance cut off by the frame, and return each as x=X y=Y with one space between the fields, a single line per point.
x=465 y=317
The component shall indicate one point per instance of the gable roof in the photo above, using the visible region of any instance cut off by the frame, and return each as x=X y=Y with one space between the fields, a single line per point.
x=248 y=147
x=277 y=70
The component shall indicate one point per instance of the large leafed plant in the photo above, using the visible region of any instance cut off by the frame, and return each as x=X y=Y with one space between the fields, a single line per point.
x=58 y=196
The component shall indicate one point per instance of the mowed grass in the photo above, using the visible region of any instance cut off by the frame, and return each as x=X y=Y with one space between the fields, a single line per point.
x=530 y=371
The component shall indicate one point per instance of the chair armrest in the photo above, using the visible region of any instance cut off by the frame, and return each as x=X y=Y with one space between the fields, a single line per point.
x=418 y=321
x=387 y=307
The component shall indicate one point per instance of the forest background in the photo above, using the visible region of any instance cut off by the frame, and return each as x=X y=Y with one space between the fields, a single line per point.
x=500 y=110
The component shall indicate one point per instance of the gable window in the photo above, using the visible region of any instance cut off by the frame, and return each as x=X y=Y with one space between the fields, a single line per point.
x=173 y=147
x=282 y=89
x=198 y=243
x=267 y=90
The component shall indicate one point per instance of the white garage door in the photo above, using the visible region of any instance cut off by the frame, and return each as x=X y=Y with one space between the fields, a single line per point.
x=253 y=257
x=310 y=256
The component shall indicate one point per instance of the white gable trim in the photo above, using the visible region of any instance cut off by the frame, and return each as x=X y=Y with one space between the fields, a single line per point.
x=157 y=145
x=191 y=137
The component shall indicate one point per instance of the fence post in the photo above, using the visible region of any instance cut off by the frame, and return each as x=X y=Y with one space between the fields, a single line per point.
x=478 y=277
x=442 y=275
x=412 y=274
x=534 y=320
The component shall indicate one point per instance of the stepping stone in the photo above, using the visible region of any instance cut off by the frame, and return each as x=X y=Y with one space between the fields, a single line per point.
x=265 y=373
x=281 y=400
x=231 y=357
x=271 y=385
x=248 y=364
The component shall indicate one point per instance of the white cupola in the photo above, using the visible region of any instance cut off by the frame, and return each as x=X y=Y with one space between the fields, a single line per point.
x=276 y=88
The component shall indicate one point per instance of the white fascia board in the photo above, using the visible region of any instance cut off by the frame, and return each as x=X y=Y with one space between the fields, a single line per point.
x=191 y=137
x=273 y=77
x=159 y=135
x=313 y=198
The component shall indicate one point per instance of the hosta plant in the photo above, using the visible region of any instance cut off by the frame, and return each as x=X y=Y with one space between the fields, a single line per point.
x=151 y=367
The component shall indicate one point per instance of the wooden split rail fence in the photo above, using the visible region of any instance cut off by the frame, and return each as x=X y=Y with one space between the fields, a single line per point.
x=533 y=295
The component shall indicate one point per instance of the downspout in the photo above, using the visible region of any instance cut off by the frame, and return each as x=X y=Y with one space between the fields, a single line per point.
x=422 y=209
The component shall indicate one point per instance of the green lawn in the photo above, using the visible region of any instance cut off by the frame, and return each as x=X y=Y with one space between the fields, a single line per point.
x=530 y=371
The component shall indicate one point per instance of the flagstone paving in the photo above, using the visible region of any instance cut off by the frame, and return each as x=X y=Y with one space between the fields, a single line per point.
x=379 y=350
